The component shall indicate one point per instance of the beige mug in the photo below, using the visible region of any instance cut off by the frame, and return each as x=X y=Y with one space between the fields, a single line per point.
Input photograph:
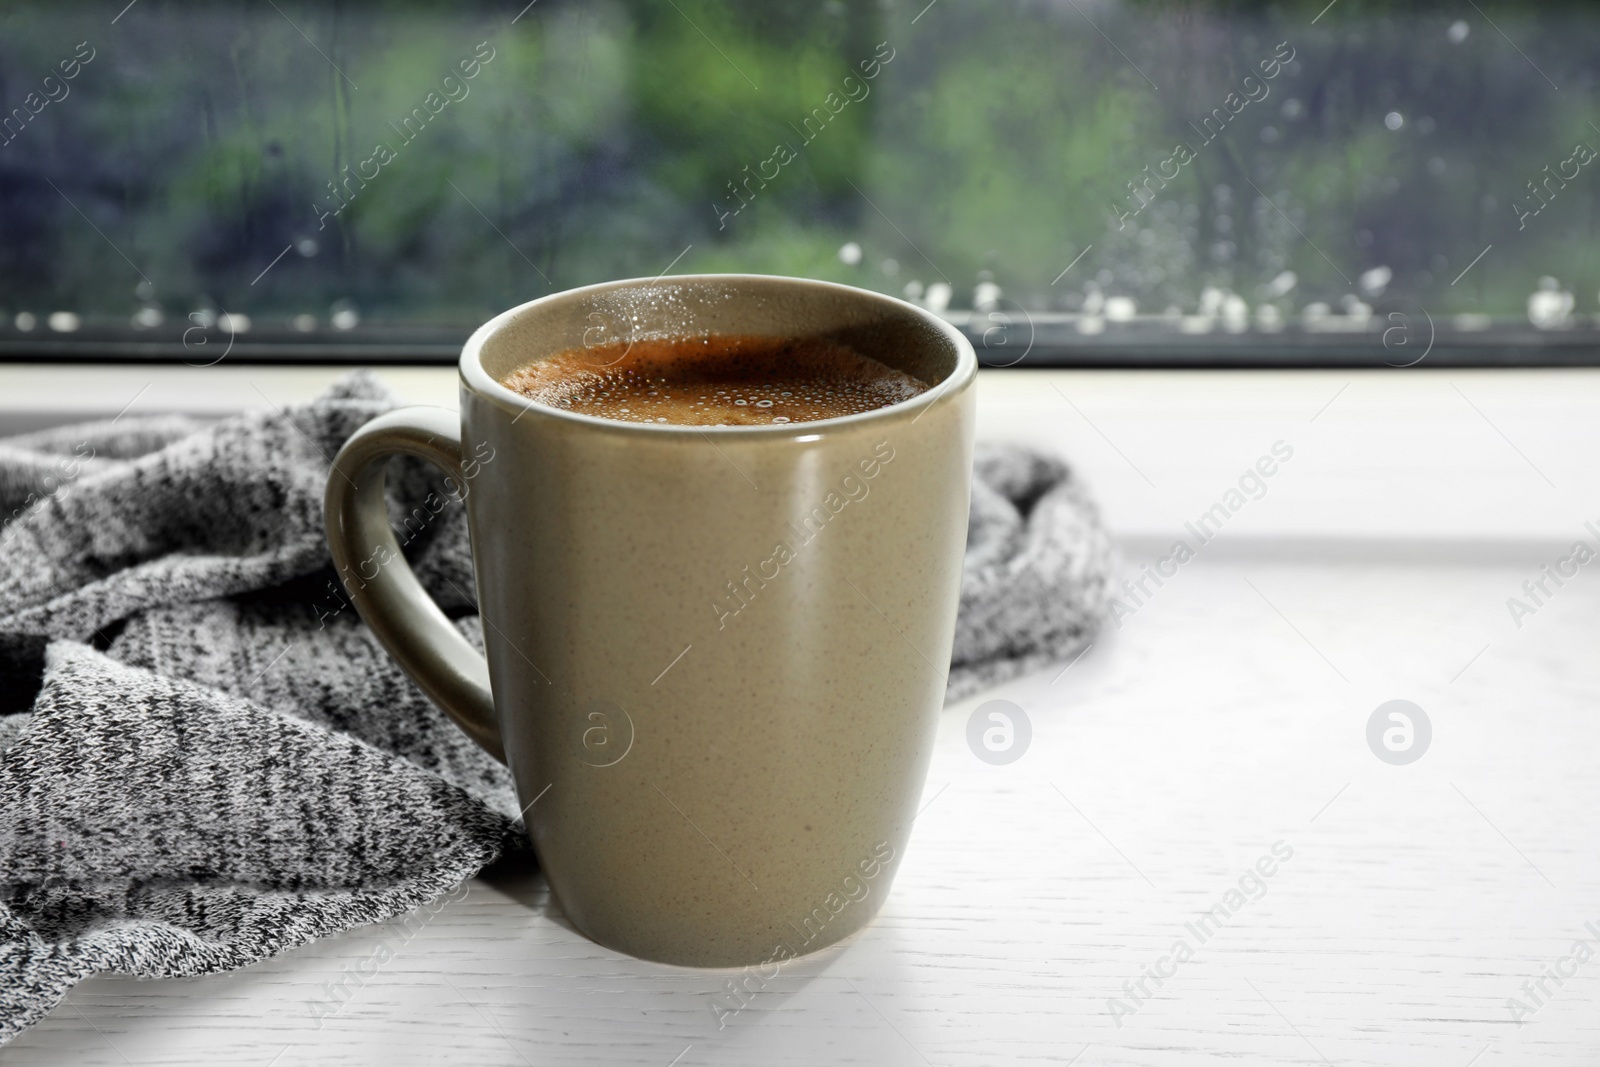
x=715 y=655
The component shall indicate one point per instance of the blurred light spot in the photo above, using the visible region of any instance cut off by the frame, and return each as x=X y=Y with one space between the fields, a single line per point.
x=1281 y=285
x=1436 y=167
x=64 y=321
x=1374 y=281
x=304 y=323
x=913 y=290
x=1472 y=321
x=1269 y=135
x=1458 y=31
x=1318 y=318
x=891 y=267
x=985 y=296
x=1394 y=120
x=306 y=247
x=850 y=254
x=1121 y=308
x=1550 y=306
x=1293 y=108
x=345 y=319
x=235 y=323
x=26 y=320
x=938 y=297
x=1091 y=324
x=148 y=318
x=1269 y=318
x=1235 y=313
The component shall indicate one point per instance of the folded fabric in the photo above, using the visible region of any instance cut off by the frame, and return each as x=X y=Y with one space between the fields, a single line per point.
x=205 y=755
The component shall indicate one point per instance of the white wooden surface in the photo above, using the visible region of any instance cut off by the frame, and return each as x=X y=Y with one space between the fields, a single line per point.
x=1227 y=714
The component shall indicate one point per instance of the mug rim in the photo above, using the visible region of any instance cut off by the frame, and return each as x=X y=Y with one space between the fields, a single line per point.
x=485 y=385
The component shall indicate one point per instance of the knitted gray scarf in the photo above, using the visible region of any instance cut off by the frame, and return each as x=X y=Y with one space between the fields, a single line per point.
x=205 y=758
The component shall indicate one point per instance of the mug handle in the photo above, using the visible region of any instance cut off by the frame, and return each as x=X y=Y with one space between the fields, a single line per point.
x=391 y=600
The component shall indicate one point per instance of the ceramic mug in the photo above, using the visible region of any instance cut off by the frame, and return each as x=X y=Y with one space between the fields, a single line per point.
x=713 y=656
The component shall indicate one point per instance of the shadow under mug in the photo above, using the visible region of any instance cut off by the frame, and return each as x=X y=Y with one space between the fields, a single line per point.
x=714 y=656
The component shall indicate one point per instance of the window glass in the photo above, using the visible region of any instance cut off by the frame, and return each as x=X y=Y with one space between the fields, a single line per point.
x=1352 y=181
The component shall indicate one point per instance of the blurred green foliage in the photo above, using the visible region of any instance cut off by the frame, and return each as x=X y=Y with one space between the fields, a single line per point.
x=605 y=137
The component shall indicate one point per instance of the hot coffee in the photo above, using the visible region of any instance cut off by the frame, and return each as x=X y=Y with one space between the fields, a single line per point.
x=720 y=380
x=793 y=726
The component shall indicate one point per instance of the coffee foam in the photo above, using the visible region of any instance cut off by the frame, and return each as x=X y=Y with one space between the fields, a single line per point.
x=716 y=380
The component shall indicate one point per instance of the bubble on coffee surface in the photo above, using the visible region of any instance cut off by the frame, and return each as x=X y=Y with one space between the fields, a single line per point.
x=717 y=380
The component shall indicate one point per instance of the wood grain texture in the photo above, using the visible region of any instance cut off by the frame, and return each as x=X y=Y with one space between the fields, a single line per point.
x=1226 y=714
